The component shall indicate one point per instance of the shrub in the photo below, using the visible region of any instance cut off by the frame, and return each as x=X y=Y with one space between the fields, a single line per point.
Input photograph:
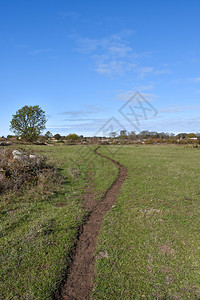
x=19 y=170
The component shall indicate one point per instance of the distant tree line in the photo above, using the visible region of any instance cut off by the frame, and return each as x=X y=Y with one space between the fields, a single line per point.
x=149 y=137
x=29 y=123
x=154 y=135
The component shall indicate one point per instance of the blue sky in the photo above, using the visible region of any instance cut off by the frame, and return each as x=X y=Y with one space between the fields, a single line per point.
x=81 y=61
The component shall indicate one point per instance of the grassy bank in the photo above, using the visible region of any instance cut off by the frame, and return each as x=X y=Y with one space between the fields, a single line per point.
x=39 y=227
x=150 y=239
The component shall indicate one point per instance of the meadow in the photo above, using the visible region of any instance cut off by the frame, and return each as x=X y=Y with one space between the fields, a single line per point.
x=148 y=246
x=40 y=226
x=151 y=237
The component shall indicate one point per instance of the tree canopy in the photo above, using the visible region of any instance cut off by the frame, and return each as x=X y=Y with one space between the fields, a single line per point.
x=72 y=136
x=28 y=122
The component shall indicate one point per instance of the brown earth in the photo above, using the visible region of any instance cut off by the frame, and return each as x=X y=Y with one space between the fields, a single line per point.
x=78 y=284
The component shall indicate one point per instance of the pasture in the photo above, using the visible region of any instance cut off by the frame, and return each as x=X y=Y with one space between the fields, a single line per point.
x=39 y=227
x=148 y=246
x=151 y=238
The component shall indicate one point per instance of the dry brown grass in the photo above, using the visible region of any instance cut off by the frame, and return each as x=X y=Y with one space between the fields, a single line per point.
x=22 y=171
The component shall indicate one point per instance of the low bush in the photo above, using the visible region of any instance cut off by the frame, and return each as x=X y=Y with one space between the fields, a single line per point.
x=20 y=169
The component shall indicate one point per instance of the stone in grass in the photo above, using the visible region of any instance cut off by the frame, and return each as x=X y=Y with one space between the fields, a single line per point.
x=17 y=155
x=32 y=156
x=20 y=157
x=103 y=254
x=16 y=152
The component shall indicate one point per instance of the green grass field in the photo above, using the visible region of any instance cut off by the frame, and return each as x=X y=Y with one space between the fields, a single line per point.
x=38 y=229
x=152 y=236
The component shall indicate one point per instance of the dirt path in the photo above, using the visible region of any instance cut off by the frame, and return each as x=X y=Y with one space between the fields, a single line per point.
x=78 y=284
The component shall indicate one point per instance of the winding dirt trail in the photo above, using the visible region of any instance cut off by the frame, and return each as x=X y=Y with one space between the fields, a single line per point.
x=78 y=284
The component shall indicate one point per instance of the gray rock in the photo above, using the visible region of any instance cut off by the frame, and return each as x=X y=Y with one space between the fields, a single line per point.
x=20 y=157
x=16 y=152
x=32 y=156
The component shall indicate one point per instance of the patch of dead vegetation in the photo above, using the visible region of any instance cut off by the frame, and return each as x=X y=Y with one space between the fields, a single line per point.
x=166 y=249
x=164 y=270
x=21 y=169
x=149 y=211
x=61 y=204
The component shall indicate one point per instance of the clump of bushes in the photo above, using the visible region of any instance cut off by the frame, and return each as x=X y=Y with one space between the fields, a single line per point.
x=20 y=170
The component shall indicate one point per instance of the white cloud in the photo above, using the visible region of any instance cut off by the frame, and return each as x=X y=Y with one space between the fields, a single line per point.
x=164 y=71
x=115 y=55
x=114 y=67
x=111 y=55
x=120 y=50
x=125 y=96
x=145 y=71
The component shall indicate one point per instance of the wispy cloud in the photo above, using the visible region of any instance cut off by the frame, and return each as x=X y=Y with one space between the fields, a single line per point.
x=144 y=71
x=114 y=67
x=112 y=55
x=175 y=124
x=165 y=124
x=163 y=71
x=82 y=125
x=85 y=111
x=58 y=127
x=80 y=120
x=126 y=95
x=178 y=109
x=115 y=44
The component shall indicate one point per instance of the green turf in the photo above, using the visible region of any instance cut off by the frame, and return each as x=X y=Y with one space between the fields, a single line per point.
x=151 y=238
x=38 y=229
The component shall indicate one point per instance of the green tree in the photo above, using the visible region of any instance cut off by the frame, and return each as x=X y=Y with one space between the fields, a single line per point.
x=72 y=136
x=123 y=134
x=28 y=122
x=191 y=135
x=57 y=136
x=48 y=135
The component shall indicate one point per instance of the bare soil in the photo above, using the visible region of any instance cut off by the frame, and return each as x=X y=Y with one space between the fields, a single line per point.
x=78 y=284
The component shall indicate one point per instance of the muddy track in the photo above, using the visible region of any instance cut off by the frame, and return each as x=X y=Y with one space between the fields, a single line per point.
x=78 y=283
